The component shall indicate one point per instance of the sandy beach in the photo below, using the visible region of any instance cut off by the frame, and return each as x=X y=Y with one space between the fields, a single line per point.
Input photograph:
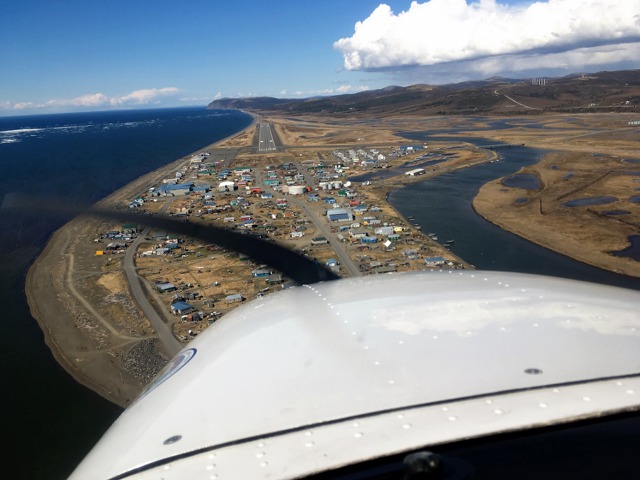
x=97 y=332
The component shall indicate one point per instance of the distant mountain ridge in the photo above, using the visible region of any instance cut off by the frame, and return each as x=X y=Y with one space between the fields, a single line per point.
x=616 y=91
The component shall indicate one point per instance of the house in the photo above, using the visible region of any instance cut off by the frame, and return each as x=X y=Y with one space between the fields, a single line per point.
x=261 y=273
x=319 y=241
x=234 y=298
x=384 y=231
x=360 y=208
x=180 y=189
x=274 y=279
x=385 y=269
x=196 y=159
x=434 y=261
x=165 y=287
x=226 y=186
x=358 y=233
x=181 y=308
x=339 y=215
x=369 y=239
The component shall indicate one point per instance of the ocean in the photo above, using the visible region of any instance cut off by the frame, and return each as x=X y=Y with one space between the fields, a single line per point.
x=50 y=422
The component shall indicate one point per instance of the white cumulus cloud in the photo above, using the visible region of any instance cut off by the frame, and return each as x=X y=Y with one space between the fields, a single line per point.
x=144 y=96
x=88 y=100
x=342 y=89
x=442 y=32
x=93 y=100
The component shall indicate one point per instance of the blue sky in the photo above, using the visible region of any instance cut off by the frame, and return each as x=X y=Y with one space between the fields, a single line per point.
x=74 y=55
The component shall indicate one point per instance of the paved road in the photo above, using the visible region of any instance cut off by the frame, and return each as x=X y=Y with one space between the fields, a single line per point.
x=266 y=138
x=340 y=248
x=515 y=101
x=169 y=342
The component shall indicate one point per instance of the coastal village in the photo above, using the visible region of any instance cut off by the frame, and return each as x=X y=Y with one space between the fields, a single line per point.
x=133 y=296
x=306 y=203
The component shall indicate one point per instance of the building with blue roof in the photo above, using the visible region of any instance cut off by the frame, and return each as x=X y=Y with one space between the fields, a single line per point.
x=181 y=308
x=339 y=215
x=434 y=261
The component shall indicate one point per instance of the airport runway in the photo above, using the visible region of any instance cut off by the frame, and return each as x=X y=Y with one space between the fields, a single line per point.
x=266 y=138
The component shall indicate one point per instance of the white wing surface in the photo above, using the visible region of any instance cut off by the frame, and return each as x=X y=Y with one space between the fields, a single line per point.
x=331 y=374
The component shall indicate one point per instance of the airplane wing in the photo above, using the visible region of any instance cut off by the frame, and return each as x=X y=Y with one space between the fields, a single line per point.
x=322 y=376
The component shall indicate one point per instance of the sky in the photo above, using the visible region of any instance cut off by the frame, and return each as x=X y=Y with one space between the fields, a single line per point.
x=96 y=55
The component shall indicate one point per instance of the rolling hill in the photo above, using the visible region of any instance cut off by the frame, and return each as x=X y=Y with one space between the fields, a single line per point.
x=615 y=91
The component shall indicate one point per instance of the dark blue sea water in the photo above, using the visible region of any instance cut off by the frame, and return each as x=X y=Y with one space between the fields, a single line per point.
x=49 y=421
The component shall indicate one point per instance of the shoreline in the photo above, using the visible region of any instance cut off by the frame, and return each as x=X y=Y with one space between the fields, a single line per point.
x=539 y=216
x=54 y=321
x=554 y=247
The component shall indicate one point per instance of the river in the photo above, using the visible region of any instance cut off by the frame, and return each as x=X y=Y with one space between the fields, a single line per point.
x=442 y=205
